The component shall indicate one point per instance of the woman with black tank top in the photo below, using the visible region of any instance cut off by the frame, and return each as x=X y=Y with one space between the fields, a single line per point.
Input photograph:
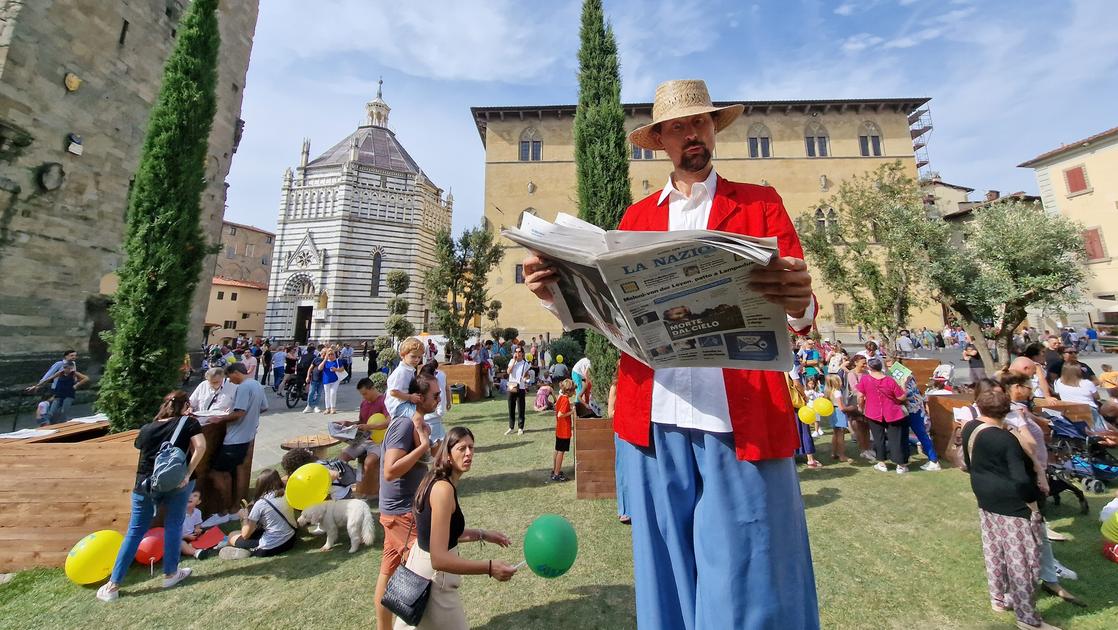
x=175 y=411
x=440 y=526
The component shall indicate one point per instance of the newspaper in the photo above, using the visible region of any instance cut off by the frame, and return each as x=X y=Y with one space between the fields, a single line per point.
x=668 y=299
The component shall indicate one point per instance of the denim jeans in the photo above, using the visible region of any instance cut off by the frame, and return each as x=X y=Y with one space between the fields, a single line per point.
x=143 y=510
x=277 y=376
x=315 y=394
x=58 y=409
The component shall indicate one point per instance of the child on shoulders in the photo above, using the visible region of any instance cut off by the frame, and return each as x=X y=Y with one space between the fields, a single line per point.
x=411 y=356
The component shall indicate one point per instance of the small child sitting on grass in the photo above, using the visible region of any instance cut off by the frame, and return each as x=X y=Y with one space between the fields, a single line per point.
x=543 y=398
x=191 y=525
x=564 y=420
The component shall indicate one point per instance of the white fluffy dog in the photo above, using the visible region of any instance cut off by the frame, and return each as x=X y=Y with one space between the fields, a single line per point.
x=353 y=514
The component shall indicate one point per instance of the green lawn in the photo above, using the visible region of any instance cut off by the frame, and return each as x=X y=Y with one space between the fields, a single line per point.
x=890 y=552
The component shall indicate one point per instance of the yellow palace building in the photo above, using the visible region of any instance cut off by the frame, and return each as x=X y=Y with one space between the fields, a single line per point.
x=804 y=149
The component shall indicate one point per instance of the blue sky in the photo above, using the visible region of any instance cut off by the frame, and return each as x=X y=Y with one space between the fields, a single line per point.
x=1009 y=79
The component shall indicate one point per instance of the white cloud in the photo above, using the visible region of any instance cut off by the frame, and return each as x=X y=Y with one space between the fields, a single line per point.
x=914 y=39
x=860 y=42
x=846 y=9
x=473 y=40
x=905 y=3
x=653 y=36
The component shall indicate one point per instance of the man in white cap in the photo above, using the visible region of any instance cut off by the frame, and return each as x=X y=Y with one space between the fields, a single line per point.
x=719 y=535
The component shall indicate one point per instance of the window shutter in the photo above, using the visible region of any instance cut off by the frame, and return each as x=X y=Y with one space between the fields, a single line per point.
x=1076 y=179
x=1092 y=241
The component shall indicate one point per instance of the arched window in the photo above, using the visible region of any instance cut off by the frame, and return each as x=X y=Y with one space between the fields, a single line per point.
x=820 y=221
x=531 y=145
x=520 y=219
x=760 y=141
x=869 y=140
x=374 y=277
x=816 y=140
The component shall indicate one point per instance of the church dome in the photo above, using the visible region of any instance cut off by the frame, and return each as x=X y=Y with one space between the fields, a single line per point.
x=377 y=147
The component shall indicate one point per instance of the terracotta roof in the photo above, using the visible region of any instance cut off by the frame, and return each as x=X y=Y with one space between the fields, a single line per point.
x=940 y=182
x=1067 y=148
x=966 y=207
x=248 y=227
x=525 y=112
x=229 y=282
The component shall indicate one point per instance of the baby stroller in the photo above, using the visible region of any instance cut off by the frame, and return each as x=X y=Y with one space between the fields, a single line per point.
x=1078 y=455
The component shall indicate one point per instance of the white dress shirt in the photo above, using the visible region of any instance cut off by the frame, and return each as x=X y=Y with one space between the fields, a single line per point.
x=695 y=398
x=517 y=372
x=203 y=398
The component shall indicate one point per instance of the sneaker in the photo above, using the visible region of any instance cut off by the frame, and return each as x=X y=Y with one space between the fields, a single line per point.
x=183 y=573
x=881 y=467
x=307 y=409
x=902 y=469
x=214 y=520
x=202 y=554
x=509 y=432
x=931 y=466
x=106 y=595
x=317 y=410
x=233 y=553
x=1065 y=573
x=868 y=456
x=520 y=431
x=561 y=477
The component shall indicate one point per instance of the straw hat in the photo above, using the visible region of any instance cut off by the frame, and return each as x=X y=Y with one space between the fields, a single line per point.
x=679 y=99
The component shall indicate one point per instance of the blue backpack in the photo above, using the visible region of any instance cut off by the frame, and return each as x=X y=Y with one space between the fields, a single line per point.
x=170 y=465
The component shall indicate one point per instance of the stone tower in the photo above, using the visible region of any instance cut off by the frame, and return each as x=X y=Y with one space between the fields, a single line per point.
x=77 y=82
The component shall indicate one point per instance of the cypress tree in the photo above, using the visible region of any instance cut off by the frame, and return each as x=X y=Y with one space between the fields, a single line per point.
x=601 y=154
x=164 y=246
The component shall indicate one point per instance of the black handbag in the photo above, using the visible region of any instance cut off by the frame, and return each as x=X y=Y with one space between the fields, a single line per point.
x=407 y=593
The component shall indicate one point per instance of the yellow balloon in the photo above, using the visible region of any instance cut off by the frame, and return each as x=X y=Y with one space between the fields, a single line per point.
x=92 y=559
x=823 y=406
x=559 y=359
x=528 y=357
x=308 y=485
x=807 y=415
x=377 y=435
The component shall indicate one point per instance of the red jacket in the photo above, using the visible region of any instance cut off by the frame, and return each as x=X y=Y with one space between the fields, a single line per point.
x=760 y=409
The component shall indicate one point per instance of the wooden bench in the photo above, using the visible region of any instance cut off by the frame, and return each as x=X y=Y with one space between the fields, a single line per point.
x=52 y=495
x=594 y=459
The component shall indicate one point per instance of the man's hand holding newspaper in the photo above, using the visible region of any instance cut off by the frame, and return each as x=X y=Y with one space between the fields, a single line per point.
x=669 y=299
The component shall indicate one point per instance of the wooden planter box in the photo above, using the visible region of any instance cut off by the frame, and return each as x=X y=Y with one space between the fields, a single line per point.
x=594 y=459
x=468 y=374
x=52 y=494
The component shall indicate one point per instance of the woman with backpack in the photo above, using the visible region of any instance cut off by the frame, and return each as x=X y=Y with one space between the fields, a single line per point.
x=158 y=484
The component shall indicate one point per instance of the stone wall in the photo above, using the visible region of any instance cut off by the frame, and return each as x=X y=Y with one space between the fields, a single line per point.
x=89 y=71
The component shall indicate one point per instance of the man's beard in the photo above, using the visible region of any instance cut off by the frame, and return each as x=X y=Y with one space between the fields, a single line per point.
x=695 y=162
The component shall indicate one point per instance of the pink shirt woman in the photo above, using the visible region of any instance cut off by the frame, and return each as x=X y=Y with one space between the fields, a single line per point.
x=883 y=397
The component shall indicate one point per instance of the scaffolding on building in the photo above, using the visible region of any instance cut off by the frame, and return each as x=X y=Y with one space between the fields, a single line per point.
x=920 y=126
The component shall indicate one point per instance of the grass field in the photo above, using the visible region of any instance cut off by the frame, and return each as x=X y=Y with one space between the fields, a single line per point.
x=889 y=552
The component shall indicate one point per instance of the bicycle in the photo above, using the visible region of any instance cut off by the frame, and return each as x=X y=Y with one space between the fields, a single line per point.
x=295 y=393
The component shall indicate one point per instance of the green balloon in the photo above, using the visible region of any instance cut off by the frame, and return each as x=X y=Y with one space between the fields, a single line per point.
x=550 y=546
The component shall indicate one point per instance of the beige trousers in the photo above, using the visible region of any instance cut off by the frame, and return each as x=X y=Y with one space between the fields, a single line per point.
x=444 y=608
